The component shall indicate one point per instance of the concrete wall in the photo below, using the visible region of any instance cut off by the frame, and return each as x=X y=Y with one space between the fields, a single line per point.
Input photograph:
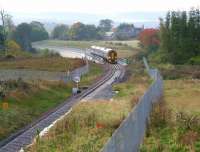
x=14 y=74
x=130 y=134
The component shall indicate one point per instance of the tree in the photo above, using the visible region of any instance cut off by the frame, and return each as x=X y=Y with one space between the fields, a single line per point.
x=80 y=31
x=149 y=39
x=6 y=29
x=38 y=32
x=77 y=31
x=22 y=36
x=3 y=34
x=180 y=36
x=2 y=40
x=60 y=32
x=105 y=25
x=3 y=20
x=9 y=27
x=125 y=31
x=91 y=32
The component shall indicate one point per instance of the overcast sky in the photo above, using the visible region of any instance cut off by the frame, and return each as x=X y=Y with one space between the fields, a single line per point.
x=95 y=6
x=103 y=8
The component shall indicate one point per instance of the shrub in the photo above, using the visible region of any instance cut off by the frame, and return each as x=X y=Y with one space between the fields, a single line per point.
x=197 y=146
x=12 y=45
x=160 y=115
x=2 y=92
x=195 y=60
x=49 y=53
x=188 y=122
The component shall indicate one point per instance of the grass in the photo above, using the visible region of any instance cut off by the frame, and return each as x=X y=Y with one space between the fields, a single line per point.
x=124 y=48
x=90 y=124
x=42 y=63
x=16 y=54
x=95 y=72
x=183 y=95
x=175 y=122
x=171 y=72
x=27 y=104
x=170 y=131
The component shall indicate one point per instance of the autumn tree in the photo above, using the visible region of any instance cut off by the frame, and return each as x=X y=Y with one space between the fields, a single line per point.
x=12 y=46
x=149 y=39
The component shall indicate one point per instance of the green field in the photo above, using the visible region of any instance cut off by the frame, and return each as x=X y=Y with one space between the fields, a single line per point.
x=124 y=48
x=90 y=124
x=27 y=101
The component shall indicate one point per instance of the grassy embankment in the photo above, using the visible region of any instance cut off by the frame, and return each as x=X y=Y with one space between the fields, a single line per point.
x=124 y=48
x=28 y=100
x=42 y=63
x=175 y=124
x=88 y=127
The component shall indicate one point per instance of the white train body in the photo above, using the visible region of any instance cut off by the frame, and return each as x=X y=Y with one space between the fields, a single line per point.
x=107 y=54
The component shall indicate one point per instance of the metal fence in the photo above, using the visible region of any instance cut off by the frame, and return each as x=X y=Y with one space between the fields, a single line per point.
x=14 y=74
x=130 y=134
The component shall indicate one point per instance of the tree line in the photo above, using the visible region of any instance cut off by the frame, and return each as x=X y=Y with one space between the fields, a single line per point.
x=20 y=36
x=177 y=40
x=80 y=31
x=23 y=34
x=180 y=36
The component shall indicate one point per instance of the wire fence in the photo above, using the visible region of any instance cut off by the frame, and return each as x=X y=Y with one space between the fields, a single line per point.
x=130 y=134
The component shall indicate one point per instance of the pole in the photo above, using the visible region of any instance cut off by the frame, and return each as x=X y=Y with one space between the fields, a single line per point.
x=77 y=85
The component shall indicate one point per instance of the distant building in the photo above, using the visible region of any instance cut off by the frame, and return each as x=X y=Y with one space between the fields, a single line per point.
x=109 y=36
x=138 y=30
x=124 y=31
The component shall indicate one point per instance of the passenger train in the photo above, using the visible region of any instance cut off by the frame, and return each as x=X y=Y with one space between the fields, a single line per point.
x=109 y=55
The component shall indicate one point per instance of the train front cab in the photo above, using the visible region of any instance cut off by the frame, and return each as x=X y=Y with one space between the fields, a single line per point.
x=112 y=57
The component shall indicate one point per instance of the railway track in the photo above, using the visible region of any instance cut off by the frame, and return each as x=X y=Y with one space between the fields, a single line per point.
x=26 y=135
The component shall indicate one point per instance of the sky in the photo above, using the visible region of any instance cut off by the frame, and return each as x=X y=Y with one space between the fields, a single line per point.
x=95 y=6
x=86 y=10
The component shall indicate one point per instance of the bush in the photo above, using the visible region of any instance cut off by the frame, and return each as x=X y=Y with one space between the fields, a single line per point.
x=12 y=45
x=161 y=115
x=49 y=53
x=2 y=92
x=195 y=60
x=9 y=56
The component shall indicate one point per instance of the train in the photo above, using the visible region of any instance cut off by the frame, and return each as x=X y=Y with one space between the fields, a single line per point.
x=108 y=54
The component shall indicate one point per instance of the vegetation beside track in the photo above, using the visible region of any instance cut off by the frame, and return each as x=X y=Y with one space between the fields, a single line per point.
x=42 y=63
x=28 y=100
x=90 y=124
